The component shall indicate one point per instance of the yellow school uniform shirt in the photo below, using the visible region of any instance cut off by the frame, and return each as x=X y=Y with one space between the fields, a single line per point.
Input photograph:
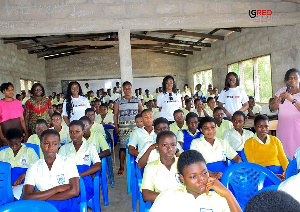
x=109 y=118
x=225 y=125
x=110 y=111
x=25 y=157
x=256 y=109
x=180 y=200
x=98 y=141
x=269 y=154
x=64 y=135
x=213 y=153
x=174 y=127
x=34 y=139
x=158 y=178
x=97 y=127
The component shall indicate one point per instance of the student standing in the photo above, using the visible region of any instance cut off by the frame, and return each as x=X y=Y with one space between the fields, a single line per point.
x=233 y=96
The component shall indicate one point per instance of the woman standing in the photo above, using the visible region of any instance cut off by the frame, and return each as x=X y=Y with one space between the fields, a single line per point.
x=11 y=113
x=233 y=96
x=125 y=110
x=169 y=100
x=75 y=103
x=287 y=101
x=37 y=107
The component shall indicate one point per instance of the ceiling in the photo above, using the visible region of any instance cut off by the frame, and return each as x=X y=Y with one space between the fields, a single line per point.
x=172 y=42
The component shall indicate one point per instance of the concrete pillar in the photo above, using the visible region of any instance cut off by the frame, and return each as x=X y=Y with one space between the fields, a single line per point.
x=125 y=55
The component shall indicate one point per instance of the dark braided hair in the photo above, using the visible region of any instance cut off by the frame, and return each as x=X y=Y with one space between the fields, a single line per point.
x=69 y=104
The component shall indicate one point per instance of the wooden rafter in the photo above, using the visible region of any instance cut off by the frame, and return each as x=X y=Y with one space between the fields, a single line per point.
x=60 y=40
x=105 y=43
x=192 y=34
x=65 y=50
x=168 y=53
x=188 y=43
x=164 y=49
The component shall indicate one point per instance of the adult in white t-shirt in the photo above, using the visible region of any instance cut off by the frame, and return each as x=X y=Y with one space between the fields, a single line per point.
x=169 y=100
x=233 y=96
x=75 y=103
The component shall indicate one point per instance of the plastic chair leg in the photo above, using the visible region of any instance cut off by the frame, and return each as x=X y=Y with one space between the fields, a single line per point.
x=110 y=171
x=103 y=181
x=128 y=172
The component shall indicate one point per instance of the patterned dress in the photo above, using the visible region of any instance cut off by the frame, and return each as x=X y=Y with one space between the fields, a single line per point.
x=127 y=112
x=38 y=110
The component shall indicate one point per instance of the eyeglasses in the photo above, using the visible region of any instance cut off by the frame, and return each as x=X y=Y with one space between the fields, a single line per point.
x=170 y=96
x=293 y=78
x=232 y=79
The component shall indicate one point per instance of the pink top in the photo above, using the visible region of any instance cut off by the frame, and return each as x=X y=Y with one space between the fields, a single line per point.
x=288 y=129
x=10 y=110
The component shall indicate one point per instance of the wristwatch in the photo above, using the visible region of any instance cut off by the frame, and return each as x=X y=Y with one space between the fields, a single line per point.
x=294 y=101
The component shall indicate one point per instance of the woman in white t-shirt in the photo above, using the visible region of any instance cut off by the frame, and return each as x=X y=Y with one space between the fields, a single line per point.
x=169 y=100
x=233 y=96
x=75 y=103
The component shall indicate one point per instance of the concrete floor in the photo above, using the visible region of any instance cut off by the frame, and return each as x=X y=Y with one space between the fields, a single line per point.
x=119 y=200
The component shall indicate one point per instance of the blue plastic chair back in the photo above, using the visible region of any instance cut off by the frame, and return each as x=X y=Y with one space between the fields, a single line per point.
x=243 y=156
x=143 y=206
x=133 y=182
x=29 y=205
x=246 y=179
x=33 y=146
x=6 y=194
x=82 y=196
x=268 y=188
x=291 y=170
x=116 y=137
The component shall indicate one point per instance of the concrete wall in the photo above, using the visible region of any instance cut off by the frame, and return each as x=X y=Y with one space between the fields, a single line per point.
x=18 y=64
x=106 y=66
x=282 y=42
x=41 y=17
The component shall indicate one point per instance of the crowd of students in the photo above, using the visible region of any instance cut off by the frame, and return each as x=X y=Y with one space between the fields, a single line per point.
x=183 y=155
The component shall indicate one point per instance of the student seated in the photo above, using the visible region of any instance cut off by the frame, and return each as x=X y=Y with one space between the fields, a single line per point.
x=162 y=174
x=185 y=137
x=237 y=136
x=149 y=152
x=97 y=104
x=200 y=109
x=266 y=110
x=214 y=150
x=110 y=107
x=84 y=155
x=179 y=123
x=63 y=130
x=141 y=135
x=188 y=107
x=253 y=108
x=105 y=117
x=200 y=192
x=155 y=110
x=138 y=120
x=221 y=124
x=264 y=149
x=272 y=201
x=211 y=104
x=18 y=155
x=56 y=177
x=40 y=126
x=89 y=112
x=95 y=138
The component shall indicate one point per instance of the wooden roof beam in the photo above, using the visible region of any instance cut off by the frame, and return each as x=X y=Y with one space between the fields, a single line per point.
x=186 y=48
x=192 y=34
x=59 y=40
x=66 y=50
x=188 y=43
x=164 y=49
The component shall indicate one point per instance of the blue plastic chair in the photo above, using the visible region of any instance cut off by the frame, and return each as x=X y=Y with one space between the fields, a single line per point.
x=6 y=194
x=93 y=203
x=292 y=169
x=143 y=206
x=246 y=179
x=133 y=182
x=272 y=187
x=28 y=205
x=33 y=146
